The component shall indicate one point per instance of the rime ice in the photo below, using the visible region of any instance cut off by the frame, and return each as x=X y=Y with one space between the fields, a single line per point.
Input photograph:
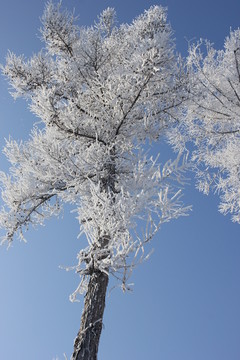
x=102 y=93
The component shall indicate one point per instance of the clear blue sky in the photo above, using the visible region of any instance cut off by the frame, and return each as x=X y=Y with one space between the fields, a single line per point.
x=186 y=299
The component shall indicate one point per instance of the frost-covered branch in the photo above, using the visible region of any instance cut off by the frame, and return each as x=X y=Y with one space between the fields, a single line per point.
x=211 y=120
x=102 y=94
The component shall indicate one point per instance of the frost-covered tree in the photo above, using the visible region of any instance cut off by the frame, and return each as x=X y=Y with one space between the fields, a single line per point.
x=212 y=120
x=103 y=94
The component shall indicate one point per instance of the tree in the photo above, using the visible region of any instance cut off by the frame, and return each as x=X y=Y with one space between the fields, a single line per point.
x=211 y=120
x=102 y=94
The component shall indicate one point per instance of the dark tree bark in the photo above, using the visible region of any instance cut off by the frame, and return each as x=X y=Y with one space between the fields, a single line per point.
x=87 y=340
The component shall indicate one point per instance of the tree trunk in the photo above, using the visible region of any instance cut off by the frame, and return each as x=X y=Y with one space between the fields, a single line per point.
x=87 y=340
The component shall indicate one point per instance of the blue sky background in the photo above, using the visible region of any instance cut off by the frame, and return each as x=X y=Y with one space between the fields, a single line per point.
x=186 y=299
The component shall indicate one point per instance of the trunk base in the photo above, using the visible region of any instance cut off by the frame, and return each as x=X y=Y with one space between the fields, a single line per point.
x=87 y=340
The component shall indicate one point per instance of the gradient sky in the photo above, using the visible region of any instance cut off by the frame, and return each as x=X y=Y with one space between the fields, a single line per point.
x=186 y=299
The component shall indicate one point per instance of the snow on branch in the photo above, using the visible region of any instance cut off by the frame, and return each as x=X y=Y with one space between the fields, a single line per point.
x=211 y=120
x=58 y=31
x=102 y=94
